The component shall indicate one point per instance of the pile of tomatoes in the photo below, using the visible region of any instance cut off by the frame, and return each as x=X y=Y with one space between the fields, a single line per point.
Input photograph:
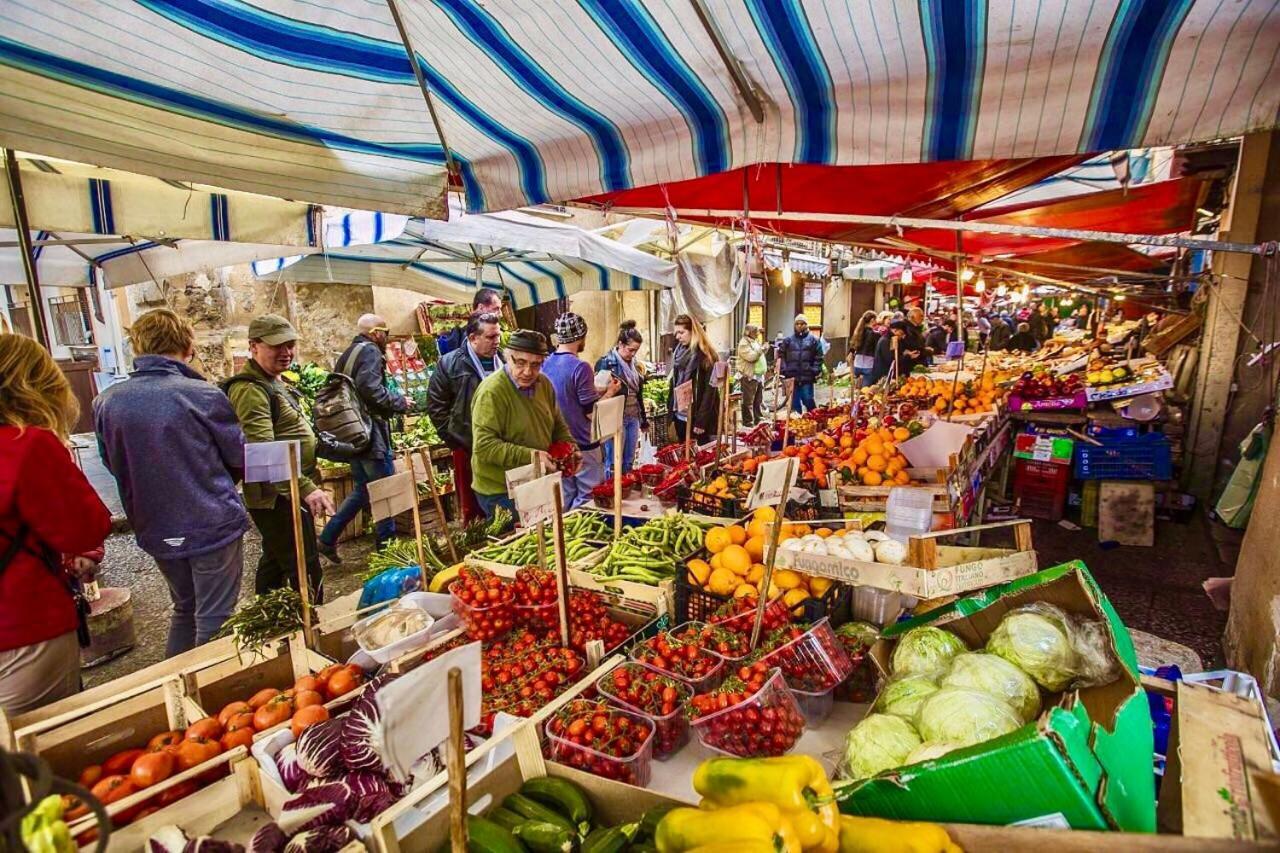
x=484 y=603
x=521 y=673
x=739 y=614
x=600 y=739
x=301 y=705
x=536 y=598
x=635 y=687
x=751 y=714
x=682 y=659
x=589 y=620
x=730 y=645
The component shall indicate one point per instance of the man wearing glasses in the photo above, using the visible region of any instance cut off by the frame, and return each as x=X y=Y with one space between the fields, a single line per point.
x=365 y=363
x=514 y=421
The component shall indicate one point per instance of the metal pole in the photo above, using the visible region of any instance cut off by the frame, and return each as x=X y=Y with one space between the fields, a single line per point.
x=730 y=61
x=422 y=85
x=28 y=254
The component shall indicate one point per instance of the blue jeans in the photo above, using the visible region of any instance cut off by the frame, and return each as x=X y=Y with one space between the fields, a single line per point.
x=630 y=438
x=803 y=400
x=863 y=374
x=364 y=472
x=577 y=489
x=204 y=590
x=489 y=503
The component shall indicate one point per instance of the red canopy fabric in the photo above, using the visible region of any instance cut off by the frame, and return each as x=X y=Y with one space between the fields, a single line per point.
x=1166 y=207
x=1092 y=256
x=934 y=190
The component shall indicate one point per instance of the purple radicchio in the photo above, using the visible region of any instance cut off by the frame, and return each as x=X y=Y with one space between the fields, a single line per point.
x=319 y=749
x=291 y=772
x=269 y=839
x=167 y=839
x=373 y=795
x=364 y=735
x=326 y=839
x=205 y=844
x=325 y=805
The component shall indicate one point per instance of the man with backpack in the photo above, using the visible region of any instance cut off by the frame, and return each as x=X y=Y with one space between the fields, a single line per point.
x=269 y=410
x=365 y=365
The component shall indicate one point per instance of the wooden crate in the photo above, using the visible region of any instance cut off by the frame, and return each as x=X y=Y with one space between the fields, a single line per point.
x=876 y=498
x=339 y=484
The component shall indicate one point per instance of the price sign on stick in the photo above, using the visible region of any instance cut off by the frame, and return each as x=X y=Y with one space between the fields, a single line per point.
x=268 y=461
x=770 y=484
x=517 y=477
x=684 y=397
x=536 y=500
x=787 y=466
x=392 y=495
x=607 y=419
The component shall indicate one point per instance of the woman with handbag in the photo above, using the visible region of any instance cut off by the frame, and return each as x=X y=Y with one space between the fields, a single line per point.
x=52 y=526
x=865 y=337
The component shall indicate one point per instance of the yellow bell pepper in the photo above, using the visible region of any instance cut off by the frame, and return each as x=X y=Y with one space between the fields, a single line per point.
x=736 y=847
x=682 y=830
x=873 y=835
x=797 y=784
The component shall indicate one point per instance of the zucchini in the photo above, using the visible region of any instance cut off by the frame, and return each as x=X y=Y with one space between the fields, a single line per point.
x=649 y=823
x=505 y=818
x=485 y=836
x=609 y=839
x=542 y=837
x=534 y=810
x=561 y=795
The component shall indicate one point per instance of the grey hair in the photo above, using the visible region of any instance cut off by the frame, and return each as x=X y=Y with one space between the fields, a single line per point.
x=368 y=322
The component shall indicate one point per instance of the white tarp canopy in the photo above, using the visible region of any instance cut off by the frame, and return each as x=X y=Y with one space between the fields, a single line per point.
x=532 y=259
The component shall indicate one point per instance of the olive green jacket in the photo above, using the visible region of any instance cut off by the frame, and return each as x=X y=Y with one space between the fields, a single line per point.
x=253 y=408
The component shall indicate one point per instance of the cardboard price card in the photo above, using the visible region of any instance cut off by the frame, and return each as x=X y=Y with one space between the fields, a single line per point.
x=536 y=499
x=684 y=397
x=517 y=477
x=268 y=461
x=770 y=484
x=607 y=419
x=392 y=495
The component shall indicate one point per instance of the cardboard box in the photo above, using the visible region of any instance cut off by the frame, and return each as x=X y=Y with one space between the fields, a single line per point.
x=1086 y=763
x=1219 y=771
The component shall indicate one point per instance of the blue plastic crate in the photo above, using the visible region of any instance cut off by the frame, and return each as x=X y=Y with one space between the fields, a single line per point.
x=1144 y=457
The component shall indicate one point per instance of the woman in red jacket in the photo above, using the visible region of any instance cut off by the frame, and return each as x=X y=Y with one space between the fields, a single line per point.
x=47 y=510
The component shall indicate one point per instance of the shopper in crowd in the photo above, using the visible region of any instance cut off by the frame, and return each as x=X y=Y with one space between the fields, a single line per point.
x=801 y=358
x=984 y=330
x=364 y=361
x=576 y=395
x=750 y=361
x=485 y=301
x=1040 y=324
x=998 y=340
x=891 y=354
x=269 y=410
x=514 y=421
x=186 y=513
x=449 y=395
x=914 y=341
x=622 y=364
x=936 y=341
x=693 y=360
x=52 y=529
x=1024 y=340
x=866 y=334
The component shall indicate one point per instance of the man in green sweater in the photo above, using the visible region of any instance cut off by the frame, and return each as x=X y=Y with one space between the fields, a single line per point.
x=514 y=421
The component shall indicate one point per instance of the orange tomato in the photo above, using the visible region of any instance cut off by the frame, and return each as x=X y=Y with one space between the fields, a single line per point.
x=164 y=739
x=196 y=750
x=306 y=682
x=342 y=682
x=240 y=721
x=208 y=728
x=272 y=714
x=306 y=717
x=238 y=737
x=231 y=710
x=262 y=697
x=152 y=768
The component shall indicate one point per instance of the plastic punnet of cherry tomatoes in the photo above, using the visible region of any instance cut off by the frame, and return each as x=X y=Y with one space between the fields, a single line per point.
x=536 y=598
x=749 y=716
x=730 y=645
x=683 y=659
x=589 y=620
x=636 y=687
x=739 y=615
x=811 y=660
x=484 y=602
x=603 y=740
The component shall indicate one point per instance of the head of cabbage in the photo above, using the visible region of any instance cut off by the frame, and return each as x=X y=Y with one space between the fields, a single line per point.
x=880 y=742
x=930 y=750
x=902 y=695
x=1036 y=642
x=925 y=649
x=993 y=674
x=964 y=717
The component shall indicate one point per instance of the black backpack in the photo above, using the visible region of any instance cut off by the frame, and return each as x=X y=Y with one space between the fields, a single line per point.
x=338 y=409
x=327 y=445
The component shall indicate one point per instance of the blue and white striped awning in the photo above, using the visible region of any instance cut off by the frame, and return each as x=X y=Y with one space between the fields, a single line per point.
x=530 y=258
x=559 y=99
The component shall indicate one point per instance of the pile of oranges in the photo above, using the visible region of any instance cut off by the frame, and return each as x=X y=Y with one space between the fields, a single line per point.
x=736 y=565
x=980 y=395
x=876 y=460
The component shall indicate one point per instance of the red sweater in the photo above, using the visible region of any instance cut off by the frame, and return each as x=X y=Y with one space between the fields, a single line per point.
x=41 y=487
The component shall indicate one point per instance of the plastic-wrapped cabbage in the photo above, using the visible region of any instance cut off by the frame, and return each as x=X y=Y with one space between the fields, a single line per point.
x=1036 y=639
x=926 y=649
x=964 y=717
x=1098 y=665
x=880 y=742
x=902 y=695
x=929 y=751
x=992 y=674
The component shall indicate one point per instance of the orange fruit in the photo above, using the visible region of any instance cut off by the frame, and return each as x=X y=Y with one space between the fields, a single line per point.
x=699 y=571
x=871 y=478
x=877 y=462
x=715 y=562
x=859 y=456
x=901 y=434
x=718 y=538
x=755 y=547
x=902 y=478
x=736 y=559
x=765 y=514
x=756 y=573
x=737 y=534
x=757 y=528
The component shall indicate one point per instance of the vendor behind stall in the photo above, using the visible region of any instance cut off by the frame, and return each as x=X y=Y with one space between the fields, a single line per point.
x=514 y=421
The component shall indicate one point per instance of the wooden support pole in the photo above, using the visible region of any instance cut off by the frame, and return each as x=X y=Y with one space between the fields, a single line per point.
x=35 y=298
x=456 y=767
x=300 y=550
x=617 y=482
x=762 y=592
x=562 y=567
x=417 y=522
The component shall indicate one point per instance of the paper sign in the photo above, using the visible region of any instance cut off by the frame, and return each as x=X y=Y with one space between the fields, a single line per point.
x=771 y=480
x=410 y=734
x=268 y=461
x=1042 y=451
x=516 y=477
x=607 y=419
x=828 y=498
x=684 y=397
x=933 y=447
x=391 y=495
x=536 y=499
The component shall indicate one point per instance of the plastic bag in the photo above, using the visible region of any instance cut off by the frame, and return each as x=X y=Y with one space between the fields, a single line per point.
x=646 y=454
x=389 y=585
x=1058 y=650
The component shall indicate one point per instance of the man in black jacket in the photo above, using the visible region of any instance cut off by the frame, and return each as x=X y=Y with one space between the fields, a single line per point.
x=365 y=363
x=801 y=356
x=449 y=398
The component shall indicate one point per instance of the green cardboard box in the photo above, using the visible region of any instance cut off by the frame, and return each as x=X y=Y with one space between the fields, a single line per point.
x=1086 y=763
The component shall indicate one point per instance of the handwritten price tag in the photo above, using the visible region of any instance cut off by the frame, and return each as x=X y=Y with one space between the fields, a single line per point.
x=684 y=397
x=607 y=419
x=770 y=484
x=536 y=499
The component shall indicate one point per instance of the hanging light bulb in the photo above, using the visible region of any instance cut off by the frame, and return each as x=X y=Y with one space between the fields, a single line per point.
x=966 y=274
x=1119 y=297
x=981 y=285
x=1002 y=289
x=786 y=268
x=906 y=277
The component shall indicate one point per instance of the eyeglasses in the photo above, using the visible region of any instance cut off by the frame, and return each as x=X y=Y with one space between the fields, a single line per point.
x=380 y=329
x=523 y=362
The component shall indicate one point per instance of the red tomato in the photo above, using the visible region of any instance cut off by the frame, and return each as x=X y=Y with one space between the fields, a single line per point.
x=164 y=739
x=152 y=768
x=239 y=737
x=307 y=717
x=262 y=697
x=342 y=682
x=306 y=682
x=119 y=764
x=208 y=728
x=243 y=720
x=304 y=698
x=272 y=714
x=90 y=775
x=175 y=792
x=231 y=710
x=196 y=750
x=73 y=808
x=110 y=789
